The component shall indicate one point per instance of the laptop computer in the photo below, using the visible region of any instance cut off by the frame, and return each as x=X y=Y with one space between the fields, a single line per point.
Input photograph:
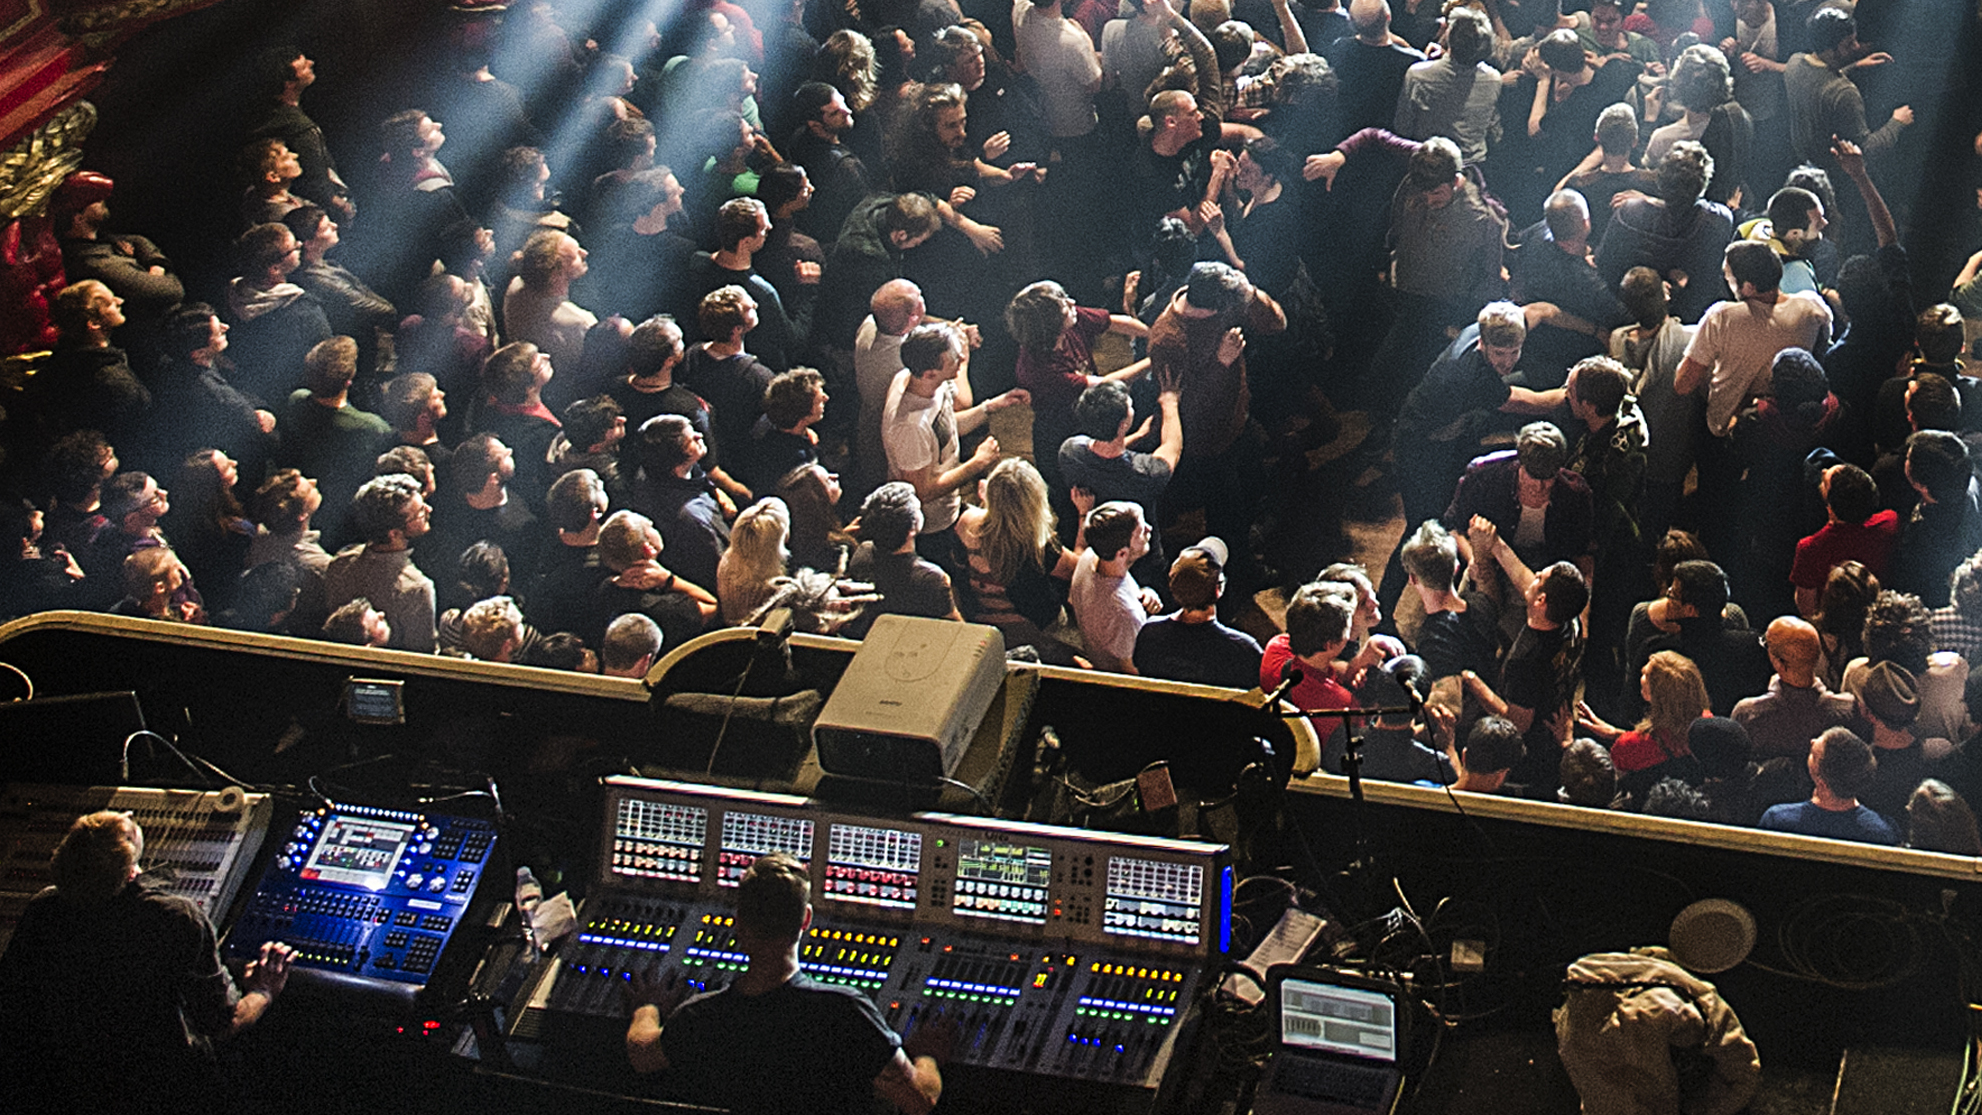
x=1340 y=1038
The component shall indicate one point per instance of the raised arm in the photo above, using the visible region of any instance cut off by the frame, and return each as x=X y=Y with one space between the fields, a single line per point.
x=1852 y=158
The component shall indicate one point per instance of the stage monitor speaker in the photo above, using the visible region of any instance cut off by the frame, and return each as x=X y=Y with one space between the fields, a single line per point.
x=911 y=700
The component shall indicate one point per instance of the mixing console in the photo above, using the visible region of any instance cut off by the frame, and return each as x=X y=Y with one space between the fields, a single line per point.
x=198 y=844
x=367 y=896
x=1057 y=951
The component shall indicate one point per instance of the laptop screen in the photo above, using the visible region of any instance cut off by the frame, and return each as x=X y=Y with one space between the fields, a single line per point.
x=1332 y=1018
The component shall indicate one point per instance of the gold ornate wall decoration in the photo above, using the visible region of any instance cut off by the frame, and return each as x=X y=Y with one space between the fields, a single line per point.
x=97 y=26
x=30 y=171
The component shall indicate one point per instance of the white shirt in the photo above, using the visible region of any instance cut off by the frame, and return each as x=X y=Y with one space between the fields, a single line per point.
x=1738 y=342
x=919 y=433
x=1109 y=610
x=1061 y=58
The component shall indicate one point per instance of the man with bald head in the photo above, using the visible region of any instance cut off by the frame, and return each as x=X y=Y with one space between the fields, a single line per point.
x=1371 y=65
x=896 y=308
x=1797 y=706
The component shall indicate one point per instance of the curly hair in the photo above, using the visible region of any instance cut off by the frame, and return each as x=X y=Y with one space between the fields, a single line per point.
x=1899 y=629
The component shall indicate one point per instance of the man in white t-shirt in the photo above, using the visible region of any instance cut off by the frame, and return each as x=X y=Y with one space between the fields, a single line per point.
x=1110 y=607
x=897 y=307
x=1061 y=58
x=1737 y=341
x=921 y=425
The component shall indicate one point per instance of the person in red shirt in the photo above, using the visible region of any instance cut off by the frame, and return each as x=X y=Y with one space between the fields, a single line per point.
x=1675 y=696
x=1858 y=530
x=1056 y=362
x=1319 y=620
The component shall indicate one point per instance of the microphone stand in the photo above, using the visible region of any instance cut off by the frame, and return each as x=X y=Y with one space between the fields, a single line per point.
x=1352 y=769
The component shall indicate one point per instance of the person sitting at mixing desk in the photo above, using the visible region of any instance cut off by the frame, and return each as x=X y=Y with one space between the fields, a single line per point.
x=115 y=990
x=834 y=1052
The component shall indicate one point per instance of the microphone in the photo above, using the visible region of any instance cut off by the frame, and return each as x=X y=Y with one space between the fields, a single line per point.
x=1291 y=675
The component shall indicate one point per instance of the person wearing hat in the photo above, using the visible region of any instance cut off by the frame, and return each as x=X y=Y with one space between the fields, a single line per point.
x=131 y=266
x=1841 y=766
x=1541 y=509
x=1890 y=699
x=1190 y=644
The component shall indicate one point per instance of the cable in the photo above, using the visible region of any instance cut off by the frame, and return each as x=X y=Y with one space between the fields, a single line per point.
x=983 y=802
x=25 y=679
x=741 y=679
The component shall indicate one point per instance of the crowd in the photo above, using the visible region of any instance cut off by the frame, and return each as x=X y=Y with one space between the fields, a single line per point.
x=602 y=350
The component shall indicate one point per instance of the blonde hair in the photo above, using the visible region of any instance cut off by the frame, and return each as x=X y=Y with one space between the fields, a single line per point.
x=756 y=556
x=856 y=70
x=1678 y=697
x=97 y=856
x=488 y=625
x=1017 y=521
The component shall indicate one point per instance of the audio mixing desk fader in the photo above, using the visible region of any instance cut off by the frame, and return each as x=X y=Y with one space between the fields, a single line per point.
x=200 y=845
x=369 y=898
x=1058 y=952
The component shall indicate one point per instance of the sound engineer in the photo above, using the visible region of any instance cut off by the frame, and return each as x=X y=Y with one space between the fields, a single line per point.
x=776 y=1040
x=115 y=989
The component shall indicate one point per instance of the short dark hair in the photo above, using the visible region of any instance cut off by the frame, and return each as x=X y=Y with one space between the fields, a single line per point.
x=403 y=398
x=912 y=213
x=926 y=345
x=511 y=371
x=1602 y=383
x=664 y=443
x=1320 y=613
x=772 y=896
x=187 y=329
x=1672 y=798
x=260 y=248
x=380 y=506
x=559 y=650
x=588 y=421
x=1493 y=744
x=810 y=99
x=736 y=220
x=1702 y=586
x=1565 y=591
x=788 y=397
x=1684 y=173
x=1790 y=207
x=1847 y=765
x=1216 y=287
x=1111 y=527
x=1938 y=332
x=575 y=500
x=1938 y=461
x=74 y=464
x=1753 y=262
x=1853 y=496
x=889 y=514
x=1435 y=163
x=410 y=460
x=304 y=220
x=1932 y=402
x=1102 y=408
x=473 y=462
x=1828 y=28
x=1562 y=51
x=779 y=184
x=653 y=343
x=1542 y=450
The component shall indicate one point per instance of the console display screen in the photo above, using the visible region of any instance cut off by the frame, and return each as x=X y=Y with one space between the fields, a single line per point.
x=875 y=866
x=749 y=835
x=653 y=840
x=1003 y=881
x=1154 y=898
x=357 y=852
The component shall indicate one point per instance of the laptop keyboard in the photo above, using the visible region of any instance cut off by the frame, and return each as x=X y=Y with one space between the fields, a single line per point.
x=1333 y=1081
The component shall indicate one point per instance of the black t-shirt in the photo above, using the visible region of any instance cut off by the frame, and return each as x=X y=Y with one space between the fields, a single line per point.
x=672 y=610
x=1540 y=674
x=1450 y=642
x=804 y=1047
x=1460 y=382
x=641 y=406
x=733 y=386
x=909 y=586
x=1166 y=183
x=101 y=998
x=1205 y=653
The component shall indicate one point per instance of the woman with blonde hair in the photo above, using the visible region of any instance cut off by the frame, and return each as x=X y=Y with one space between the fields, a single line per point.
x=1017 y=570
x=1675 y=696
x=756 y=556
